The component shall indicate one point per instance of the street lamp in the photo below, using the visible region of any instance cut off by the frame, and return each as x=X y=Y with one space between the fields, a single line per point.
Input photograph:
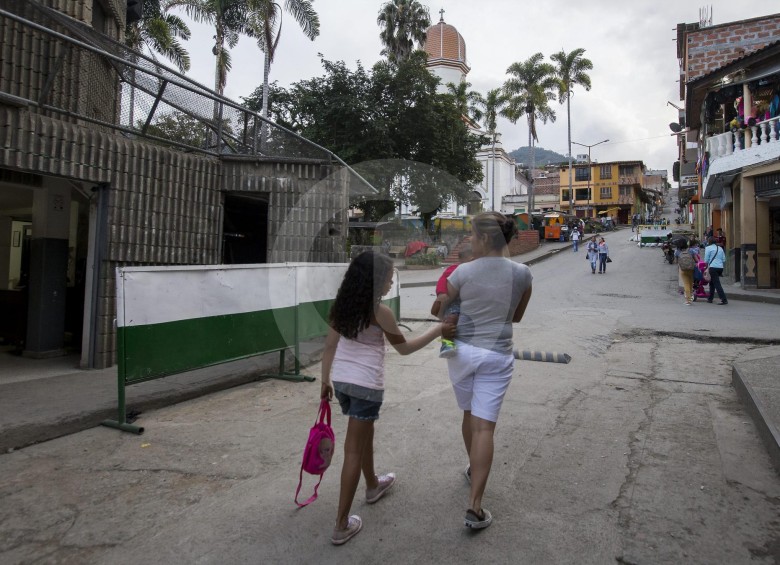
x=589 y=170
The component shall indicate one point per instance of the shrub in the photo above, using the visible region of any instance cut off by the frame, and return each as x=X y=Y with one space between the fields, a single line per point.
x=430 y=259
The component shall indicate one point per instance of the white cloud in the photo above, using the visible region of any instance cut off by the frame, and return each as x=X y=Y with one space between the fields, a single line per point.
x=631 y=44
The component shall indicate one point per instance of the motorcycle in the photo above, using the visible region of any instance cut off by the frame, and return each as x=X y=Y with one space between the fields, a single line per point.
x=668 y=250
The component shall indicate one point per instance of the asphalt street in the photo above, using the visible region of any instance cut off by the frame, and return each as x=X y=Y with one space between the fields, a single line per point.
x=637 y=451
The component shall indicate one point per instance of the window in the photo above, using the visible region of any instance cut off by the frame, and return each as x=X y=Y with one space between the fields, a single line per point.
x=626 y=170
x=606 y=192
x=98 y=17
x=565 y=195
x=605 y=171
x=625 y=191
x=582 y=173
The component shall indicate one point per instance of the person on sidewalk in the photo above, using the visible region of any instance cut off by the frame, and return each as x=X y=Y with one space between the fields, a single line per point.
x=593 y=254
x=494 y=293
x=715 y=257
x=686 y=262
x=575 y=237
x=353 y=368
x=603 y=256
x=453 y=309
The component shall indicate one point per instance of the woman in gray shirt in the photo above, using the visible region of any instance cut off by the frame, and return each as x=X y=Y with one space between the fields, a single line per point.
x=494 y=293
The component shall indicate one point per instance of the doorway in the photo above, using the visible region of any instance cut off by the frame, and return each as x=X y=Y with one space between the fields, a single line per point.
x=244 y=230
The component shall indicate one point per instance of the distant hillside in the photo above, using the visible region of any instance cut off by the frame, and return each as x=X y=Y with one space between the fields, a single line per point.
x=543 y=156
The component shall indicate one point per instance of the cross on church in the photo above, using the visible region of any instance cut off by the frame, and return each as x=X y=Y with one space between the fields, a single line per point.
x=441 y=12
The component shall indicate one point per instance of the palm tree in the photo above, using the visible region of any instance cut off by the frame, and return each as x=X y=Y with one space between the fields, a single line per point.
x=493 y=105
x=468 y=102
x=403 y=23
x=230 y=19
x=530 y=89
x=571 y=70
x=159 y=31
x=266 y=20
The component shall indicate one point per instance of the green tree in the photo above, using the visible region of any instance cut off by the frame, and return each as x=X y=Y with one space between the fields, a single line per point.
x=468 y=102
x=266 y=19
x=493 y=105
x=402 y=23
x=571 y=70
x=230 y=19
x=391 y=125
x=530 y=88
x=159 y=31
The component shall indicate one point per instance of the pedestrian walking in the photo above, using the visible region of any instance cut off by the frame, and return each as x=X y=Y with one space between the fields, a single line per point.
x=603 y=256
x=686 y=263
x=575 y=237
x=715 y=257
x=593 y=254
x=494 y=293
x=353 y=370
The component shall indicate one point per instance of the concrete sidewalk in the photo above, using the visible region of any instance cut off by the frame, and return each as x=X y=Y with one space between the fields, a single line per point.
x=36 y=409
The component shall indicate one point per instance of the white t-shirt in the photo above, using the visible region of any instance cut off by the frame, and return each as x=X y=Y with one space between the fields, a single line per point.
x=490 y=288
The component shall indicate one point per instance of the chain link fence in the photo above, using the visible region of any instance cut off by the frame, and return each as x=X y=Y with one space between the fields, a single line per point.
x=68 y=69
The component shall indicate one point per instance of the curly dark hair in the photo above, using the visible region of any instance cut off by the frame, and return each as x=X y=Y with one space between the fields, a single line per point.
x=498 y=227
x=360 y=293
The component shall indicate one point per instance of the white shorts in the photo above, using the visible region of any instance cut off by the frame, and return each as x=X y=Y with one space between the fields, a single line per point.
x=480 y=378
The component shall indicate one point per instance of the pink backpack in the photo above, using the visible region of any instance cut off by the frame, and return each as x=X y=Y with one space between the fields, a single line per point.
x=318 y=451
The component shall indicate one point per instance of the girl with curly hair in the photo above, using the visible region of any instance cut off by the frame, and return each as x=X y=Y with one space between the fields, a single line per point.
x=353 y=369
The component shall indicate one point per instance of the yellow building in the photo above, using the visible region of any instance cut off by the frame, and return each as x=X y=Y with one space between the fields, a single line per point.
x=612 y=188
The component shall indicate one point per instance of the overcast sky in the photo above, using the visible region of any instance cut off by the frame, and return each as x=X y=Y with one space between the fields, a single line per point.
x=630 y=42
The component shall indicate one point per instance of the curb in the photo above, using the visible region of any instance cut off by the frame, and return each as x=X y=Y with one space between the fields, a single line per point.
x=766 y=429
x=140 y=401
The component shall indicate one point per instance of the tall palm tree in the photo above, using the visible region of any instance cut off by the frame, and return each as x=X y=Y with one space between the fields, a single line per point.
x=571 y=70
x=158 y=31
x=265 y=19
x=493 y=105
x=403 y=22
x=530 y=88
x=468 y=102
x=230 y=19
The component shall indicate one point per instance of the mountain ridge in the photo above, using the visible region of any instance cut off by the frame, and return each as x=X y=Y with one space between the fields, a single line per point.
x=543 y=156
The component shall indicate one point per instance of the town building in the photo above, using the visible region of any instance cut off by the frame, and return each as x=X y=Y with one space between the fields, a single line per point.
x=614 y=189
x=729 y=140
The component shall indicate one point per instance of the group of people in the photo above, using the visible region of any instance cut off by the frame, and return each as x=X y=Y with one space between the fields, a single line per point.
x=690 y=261
x=478 y=311
x=597 y=254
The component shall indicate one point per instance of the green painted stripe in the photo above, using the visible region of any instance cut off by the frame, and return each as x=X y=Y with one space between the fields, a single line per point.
x=313 y=319
x=155 y=350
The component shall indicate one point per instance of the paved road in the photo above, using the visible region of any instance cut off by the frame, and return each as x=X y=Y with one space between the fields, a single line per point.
x=636 y=452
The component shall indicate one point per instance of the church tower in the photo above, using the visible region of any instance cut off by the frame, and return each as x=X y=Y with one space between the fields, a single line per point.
x=446 y=53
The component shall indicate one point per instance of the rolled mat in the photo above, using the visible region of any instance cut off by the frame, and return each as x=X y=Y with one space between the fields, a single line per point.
x=546 y=356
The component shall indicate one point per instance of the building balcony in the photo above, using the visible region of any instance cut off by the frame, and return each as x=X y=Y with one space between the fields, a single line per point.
x=733 y=151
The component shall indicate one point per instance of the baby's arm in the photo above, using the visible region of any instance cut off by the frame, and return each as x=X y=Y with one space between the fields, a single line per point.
x=440 y=304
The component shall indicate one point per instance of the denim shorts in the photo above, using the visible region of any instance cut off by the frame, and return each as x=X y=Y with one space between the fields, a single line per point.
x=353 y=406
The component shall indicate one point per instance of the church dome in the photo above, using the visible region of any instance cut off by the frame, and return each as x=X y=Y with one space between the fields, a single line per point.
x=445 y=45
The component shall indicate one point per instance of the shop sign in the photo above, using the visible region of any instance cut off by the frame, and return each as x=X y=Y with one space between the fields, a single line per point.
x=687 y=181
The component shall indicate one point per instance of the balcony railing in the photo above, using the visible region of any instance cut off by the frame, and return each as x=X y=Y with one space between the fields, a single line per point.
x=732 y=142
